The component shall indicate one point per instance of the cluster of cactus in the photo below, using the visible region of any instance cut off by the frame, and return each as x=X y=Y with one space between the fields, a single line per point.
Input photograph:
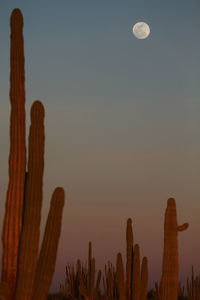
x=82 y=283
x=117 y=285
x=109 y=282
x=132 y=283
x=27 y=272
x=193 y=286
x=88 y=284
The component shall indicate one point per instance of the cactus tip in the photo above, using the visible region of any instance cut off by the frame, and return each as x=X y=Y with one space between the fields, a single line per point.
x=16 y=15
x=171 y=202
x=37 y=107
x=129 y=221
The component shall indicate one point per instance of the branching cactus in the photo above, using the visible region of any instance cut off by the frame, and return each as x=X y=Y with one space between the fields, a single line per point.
x=170 y=269
x=26 y=273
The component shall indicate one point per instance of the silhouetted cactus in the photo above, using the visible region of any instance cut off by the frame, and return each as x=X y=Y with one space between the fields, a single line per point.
x=193 y=286
x=129 y=258
x=136 y=273
x=17 y=158
x=120 y=278
x=89 y=288
x=109 y=282
x=47 y=258
x=144 y=279
x=25 y=276
x=170 y=268
x=29 y=242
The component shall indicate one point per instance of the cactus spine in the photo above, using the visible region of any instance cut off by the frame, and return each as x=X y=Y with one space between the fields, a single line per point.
x=170 y=268
x=17 y=157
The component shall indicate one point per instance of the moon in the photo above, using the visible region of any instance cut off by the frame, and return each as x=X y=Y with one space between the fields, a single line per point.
x=141 y=30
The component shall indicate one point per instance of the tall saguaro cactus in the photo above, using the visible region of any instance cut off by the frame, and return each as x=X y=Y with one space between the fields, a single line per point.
x=26 y=273
x=17 y=158
x=170 y=269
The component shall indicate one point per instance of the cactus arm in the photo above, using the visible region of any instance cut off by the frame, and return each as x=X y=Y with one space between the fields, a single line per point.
x=182 y=227
x=29 y=242
x=47 y=258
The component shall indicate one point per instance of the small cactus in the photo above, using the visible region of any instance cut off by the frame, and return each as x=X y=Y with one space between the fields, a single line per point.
x=120 y=278
x=129 y=258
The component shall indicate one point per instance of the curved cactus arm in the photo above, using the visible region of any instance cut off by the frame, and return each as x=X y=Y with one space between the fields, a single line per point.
x=47 y=258
x=17 y=158
x=182 y=227
x=29 y=241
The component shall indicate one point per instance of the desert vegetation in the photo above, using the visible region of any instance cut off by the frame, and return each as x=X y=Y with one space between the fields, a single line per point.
x=27 y=270
x=129 y=279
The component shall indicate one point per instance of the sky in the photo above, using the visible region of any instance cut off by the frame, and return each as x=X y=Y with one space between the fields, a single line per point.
x=121 y=121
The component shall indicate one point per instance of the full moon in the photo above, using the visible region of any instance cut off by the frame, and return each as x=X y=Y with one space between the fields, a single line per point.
x=141 y=30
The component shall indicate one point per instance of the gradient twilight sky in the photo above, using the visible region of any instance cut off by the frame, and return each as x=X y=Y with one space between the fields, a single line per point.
x=122 y=121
